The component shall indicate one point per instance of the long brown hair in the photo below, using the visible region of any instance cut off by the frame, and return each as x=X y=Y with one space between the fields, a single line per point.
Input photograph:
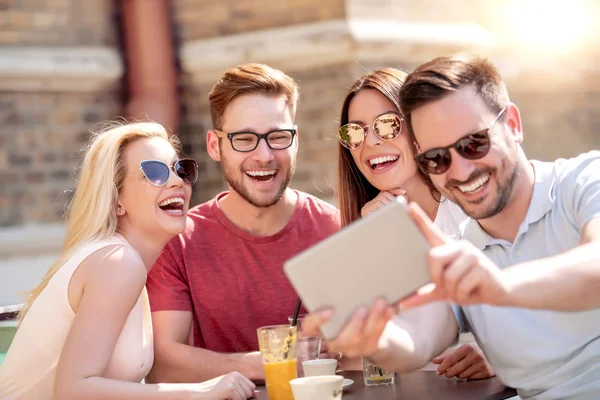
x=354 y=190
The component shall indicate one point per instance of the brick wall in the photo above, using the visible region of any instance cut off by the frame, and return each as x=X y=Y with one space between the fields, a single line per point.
x=41 y=133
x=56 y=22
x=40 y=142
x=198 y=19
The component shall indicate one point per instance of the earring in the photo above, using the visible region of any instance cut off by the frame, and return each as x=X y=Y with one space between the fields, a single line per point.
x=120 y=211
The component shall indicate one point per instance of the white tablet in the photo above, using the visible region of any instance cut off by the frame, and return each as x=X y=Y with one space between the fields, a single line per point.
x=381 y=255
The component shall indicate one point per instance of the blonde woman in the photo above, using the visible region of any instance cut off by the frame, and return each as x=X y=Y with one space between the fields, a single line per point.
x=86 y=332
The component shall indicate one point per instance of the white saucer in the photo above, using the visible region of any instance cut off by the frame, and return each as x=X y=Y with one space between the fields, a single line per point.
x=347 y=383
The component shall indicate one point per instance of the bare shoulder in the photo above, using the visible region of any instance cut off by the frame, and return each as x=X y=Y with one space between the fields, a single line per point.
x=116 y=267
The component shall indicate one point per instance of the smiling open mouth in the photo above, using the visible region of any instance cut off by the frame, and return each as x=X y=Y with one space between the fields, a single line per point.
x=474 y=186
x=173 y=205
x=382 y=162
x=262 y=176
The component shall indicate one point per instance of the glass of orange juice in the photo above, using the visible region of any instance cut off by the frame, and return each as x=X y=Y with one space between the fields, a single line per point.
x=277 y=345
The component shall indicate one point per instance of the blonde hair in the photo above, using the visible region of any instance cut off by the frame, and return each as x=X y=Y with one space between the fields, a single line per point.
x=91 y=213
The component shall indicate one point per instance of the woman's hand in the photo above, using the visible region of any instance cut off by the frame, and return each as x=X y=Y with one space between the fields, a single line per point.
x=465 y=362
x=233 y=386
x=383 y=198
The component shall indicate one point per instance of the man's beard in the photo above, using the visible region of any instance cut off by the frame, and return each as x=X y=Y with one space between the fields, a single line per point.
x=237 y=183
x=501 y=197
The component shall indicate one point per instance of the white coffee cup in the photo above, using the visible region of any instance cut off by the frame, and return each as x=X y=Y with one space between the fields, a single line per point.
x=317 y=387
x=321 y=366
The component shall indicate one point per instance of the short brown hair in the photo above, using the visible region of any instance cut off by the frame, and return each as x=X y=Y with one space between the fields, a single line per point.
x=247 y=79
x=444 y=75
x=354 y=190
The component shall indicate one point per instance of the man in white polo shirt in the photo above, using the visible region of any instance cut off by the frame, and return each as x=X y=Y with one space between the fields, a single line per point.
x=526 y=281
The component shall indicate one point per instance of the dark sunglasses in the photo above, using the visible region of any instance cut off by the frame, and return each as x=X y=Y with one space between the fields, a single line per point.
x=158 y=172
x=385 y=127
x=472 y=147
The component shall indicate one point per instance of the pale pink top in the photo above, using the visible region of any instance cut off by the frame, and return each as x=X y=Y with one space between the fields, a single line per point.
x=29 y=369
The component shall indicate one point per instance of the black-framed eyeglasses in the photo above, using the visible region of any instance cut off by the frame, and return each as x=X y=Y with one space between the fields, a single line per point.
x=157 y=172
x=472 y=147
x=277 y=139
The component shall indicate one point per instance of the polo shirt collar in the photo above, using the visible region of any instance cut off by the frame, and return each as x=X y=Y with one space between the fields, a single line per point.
x=542 y=202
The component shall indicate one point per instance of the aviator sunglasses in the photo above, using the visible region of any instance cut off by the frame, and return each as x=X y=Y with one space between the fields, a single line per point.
x=472 y=147
x=158 y=172
x=386 y=127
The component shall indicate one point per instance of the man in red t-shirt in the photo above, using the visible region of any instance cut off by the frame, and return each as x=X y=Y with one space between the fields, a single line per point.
x=220 y=280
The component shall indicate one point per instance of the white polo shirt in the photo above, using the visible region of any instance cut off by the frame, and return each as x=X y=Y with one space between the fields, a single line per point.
x=543 y=354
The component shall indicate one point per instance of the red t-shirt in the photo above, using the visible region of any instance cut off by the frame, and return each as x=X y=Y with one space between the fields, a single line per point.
x=232 y=281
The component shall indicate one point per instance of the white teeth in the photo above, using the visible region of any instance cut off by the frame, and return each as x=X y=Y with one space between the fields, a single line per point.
x=177 y=200
x=379 y=160
x=471 y=187
x=261 y=173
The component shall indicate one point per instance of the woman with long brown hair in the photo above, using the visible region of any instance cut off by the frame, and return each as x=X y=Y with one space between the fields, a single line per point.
x=376 y=163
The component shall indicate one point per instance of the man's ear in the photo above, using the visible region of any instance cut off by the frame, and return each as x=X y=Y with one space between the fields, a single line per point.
x=212 y=145
x=513 y=121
